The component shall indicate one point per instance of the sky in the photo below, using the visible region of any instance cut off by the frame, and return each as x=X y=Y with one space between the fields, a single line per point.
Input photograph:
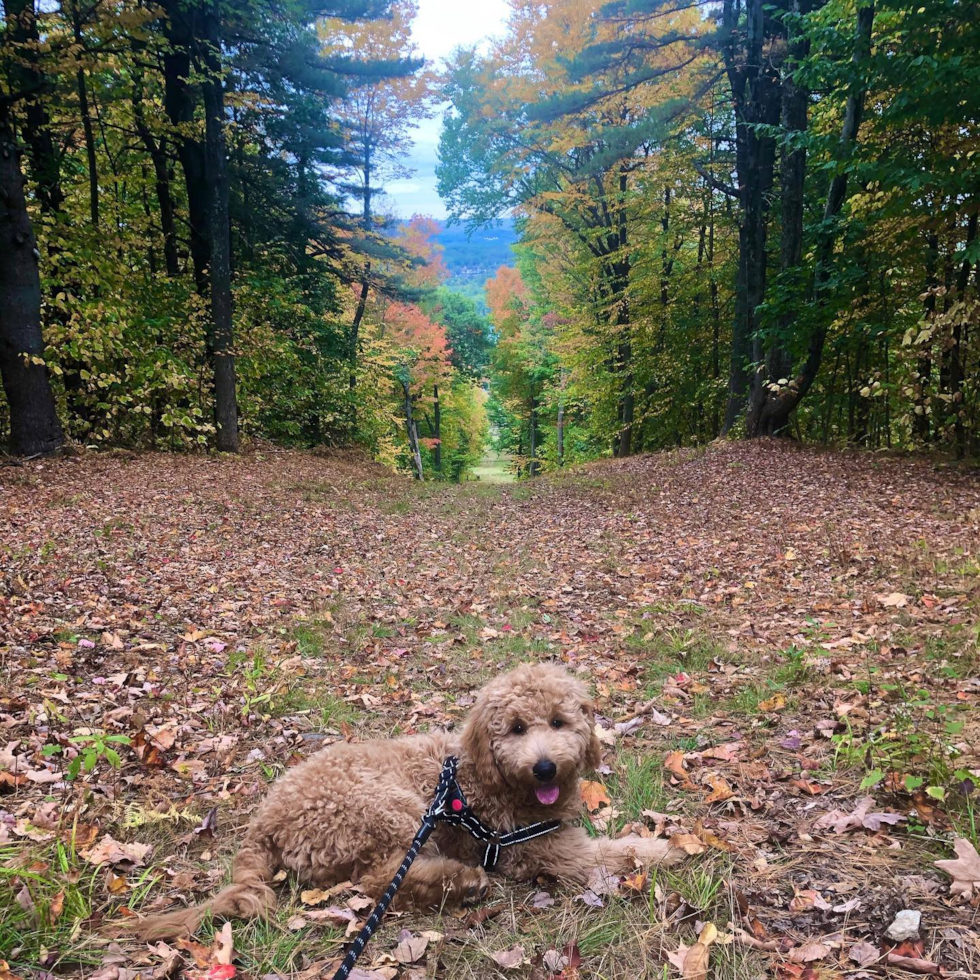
x=441 y=27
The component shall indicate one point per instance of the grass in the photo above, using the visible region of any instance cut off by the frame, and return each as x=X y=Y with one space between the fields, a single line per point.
x=494 y=468
x=269 y=946
x=638 y=784
x=625 y=940
x=47 y=895
x=329 y=710
x=665 y=652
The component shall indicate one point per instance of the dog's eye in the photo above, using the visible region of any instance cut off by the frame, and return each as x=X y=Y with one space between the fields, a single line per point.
x=557 y=723
x=517 y=728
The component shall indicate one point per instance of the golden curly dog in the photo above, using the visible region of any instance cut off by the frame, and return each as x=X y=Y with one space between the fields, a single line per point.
x=351 y=810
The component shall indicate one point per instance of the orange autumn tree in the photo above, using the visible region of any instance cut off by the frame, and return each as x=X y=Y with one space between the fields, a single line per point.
x=427 y=266
x=420 y=365
x=524 y=362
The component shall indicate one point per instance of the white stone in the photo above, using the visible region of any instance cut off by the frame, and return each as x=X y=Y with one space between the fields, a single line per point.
x=905 y=926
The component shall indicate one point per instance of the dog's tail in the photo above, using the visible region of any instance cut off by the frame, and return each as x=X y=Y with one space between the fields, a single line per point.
x=249 y=896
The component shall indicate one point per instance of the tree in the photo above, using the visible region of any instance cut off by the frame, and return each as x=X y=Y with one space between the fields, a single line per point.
x=376 y=118
x=469 y=334
x=526 y=132
x=34 y=426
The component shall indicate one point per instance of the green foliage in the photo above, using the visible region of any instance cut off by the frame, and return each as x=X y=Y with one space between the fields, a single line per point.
x=633 y=234
x=89 y=750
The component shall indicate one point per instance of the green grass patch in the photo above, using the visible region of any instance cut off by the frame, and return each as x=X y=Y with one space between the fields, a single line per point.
x=665 y=652
x=47 y=894
x=268 y=946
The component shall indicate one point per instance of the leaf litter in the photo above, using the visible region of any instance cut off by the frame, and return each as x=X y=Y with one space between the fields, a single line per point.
x=225 y=617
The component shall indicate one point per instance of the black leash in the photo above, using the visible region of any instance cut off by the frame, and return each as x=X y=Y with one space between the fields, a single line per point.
x=447 y=806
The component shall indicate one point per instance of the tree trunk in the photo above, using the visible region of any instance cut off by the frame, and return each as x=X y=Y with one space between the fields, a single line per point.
x=437 y=430
x=760 y=420
x=411 y=429
x=781 y=405
x=923 y=359
x=561 y=417
x=180 y=101
x=756 y=93
x=26 y=75
x=161 y=172
x=83 y=110
x=532 y=467
x=34 y=425
x=225 y=401
x=355 y=329
x=956 y=370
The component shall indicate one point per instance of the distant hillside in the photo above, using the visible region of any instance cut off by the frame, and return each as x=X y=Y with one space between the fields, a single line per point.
x=474 y=259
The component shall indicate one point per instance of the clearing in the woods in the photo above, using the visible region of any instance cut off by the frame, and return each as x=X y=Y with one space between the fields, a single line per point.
x=782 y=643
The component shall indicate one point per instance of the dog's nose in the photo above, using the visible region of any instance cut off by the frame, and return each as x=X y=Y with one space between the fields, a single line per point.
x=544 y=769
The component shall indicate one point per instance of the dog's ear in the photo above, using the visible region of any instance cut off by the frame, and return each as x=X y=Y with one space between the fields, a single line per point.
x=477 y=740
x=593 y=755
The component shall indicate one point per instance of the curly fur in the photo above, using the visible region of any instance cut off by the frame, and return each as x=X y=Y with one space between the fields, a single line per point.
x=350 y=811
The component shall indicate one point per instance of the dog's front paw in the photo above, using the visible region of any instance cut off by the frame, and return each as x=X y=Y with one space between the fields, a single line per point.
x=473 y=886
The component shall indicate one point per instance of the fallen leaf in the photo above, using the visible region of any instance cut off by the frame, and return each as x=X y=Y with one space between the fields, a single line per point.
x=913 y=964
x=110 y=851
x=594 y=795
x=776 y=703
x=964 y=869
x=864 y=954
x=674 y=763
x=720 y=789
x=894 y=600
x=542 y=900
x=222 y=949
x=509 y=959
x=688 y=843
x=693 y=961
x=809 y=952
x=860 y=816
x=410 y=948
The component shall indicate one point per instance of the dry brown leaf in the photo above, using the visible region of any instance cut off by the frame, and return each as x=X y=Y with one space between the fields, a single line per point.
x=56 y=906
x=776 y=703
x=964 y=869
x=410 y=949
x=111 y=851
x=688 y=843
x=864 y=953
x=894 y=600
x=674 y=762
x=860 y=816
x=594 y=795
x=509 y=959
x=914 y=964
x=693 y=961
x=720 y=789
x=710 y=838
x=809 y=952
x=223 y=949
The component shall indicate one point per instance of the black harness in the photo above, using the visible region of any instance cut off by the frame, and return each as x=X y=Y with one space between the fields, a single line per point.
x=448 y=806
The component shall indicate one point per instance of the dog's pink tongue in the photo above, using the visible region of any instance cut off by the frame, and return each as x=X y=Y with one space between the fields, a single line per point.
x=546 y=794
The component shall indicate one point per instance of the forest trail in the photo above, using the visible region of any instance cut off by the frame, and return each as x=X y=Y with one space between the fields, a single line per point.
x=495 y=468
x=759 y=670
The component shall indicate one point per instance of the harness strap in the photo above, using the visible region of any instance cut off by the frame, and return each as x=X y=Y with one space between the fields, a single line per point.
x=448 y=806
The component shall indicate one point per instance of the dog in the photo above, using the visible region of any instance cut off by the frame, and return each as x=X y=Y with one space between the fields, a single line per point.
x=350 y=811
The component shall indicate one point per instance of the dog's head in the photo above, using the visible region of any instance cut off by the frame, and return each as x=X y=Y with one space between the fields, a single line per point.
x=530 y=734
